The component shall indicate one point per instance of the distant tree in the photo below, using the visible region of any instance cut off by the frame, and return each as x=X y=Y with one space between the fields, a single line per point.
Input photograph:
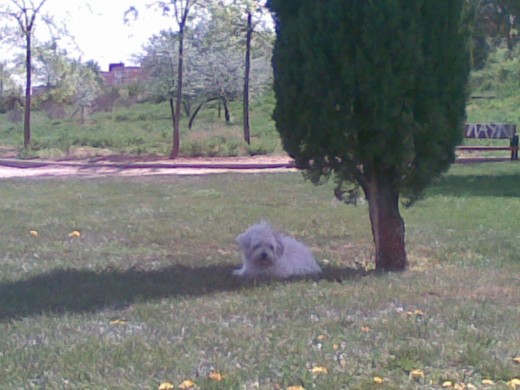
x=245 y=17
x=372 y=93
x=25 y=13
x=7 y=83
x=181 y=11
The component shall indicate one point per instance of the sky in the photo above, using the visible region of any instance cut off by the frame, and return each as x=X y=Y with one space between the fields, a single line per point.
x=99 y=31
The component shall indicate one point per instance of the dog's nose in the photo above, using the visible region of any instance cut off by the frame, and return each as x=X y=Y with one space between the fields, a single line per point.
x=263 y=255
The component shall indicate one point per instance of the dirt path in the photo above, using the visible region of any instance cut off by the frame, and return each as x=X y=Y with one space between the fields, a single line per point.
x=128 y=166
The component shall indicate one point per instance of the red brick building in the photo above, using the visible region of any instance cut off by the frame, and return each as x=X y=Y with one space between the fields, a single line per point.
x=119 y=74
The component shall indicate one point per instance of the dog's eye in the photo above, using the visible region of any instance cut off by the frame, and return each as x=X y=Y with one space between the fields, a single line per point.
x=270 y=247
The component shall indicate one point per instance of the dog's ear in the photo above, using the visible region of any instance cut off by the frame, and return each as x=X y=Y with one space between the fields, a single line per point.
x=243 y=240
x=279 y=244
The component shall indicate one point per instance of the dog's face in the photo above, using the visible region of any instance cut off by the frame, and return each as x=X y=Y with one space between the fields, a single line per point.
x=261 y=246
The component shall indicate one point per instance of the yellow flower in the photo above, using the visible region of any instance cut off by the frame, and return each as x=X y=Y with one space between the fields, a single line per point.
x=471 y=386
x=33 y=233
x=187 y=384
x=446 y=384
x=417 y=374
x=295 y=388
x=514 y=383
x=459 y=386
x=378 y=380
x=74 y=234
x=319 y=370
x=516 y=359
x=216 y=376
x=488 y=382
x=166 y=386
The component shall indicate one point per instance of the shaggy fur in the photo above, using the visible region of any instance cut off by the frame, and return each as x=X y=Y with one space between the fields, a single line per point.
x=267 y=253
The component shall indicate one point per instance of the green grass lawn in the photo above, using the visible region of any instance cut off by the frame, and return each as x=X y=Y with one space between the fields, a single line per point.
x=144 y=296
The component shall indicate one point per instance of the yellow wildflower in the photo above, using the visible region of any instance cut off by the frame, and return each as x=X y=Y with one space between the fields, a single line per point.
x=488 y=382
x=75 y=234
x=33 y=233
x=417 y=374
x=187 y=384
x=319 y=370
x=446 y=384
x=215 y=376
x=166 y=386
x=295 y=388
x=516 y=359
x=514 y=383
x=378 y=380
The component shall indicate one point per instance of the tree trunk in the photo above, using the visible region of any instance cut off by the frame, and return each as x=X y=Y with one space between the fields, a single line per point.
x=178 y=104
x=172 y=110
x=192 y=118
x=27 y=110
x=247 y=131
x=387 y=225
x=227 y=115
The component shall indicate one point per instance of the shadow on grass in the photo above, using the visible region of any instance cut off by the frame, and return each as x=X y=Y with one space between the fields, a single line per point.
x=77 y=291
x=477 y=185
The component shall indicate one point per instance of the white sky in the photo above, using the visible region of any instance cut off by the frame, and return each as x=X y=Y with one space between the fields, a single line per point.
x=99 y=31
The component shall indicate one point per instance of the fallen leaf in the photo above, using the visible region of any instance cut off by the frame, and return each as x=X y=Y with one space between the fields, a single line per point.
x=471 y=386
x=516 y=359
x=215 y=376
x=166 y=386
x=459 y=386
x=365 y=329
x=319 y=370
x=187 y=384
x=296 y=388
x=117 y=322
x=33 y=233
x=378 y=380
x=514 y=383
x=446 y=384
x=74 y=234
x=488 y=382
x=417 y=374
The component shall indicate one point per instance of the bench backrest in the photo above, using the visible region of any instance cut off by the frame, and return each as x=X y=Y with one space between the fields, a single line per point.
x=489 y=130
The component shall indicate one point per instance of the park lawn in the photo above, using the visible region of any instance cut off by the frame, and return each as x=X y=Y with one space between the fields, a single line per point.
x=144 y=295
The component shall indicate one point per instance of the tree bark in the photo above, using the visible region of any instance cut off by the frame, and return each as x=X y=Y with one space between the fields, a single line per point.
x=27 y=108
x=176 y=120
x=387 y=224
x=247 y=130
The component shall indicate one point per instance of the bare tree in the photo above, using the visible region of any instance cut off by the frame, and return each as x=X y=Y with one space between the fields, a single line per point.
x=25 y=13
x=180 y=10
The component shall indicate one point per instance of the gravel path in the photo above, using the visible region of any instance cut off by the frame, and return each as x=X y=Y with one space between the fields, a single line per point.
x=127 y=166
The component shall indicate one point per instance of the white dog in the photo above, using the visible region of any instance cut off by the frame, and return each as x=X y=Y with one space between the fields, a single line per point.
x=267 y=253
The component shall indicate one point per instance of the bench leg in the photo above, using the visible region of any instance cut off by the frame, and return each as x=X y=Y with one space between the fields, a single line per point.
x=514 y=144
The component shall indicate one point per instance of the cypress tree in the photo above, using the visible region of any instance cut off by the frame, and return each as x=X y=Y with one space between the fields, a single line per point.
x=372 y=93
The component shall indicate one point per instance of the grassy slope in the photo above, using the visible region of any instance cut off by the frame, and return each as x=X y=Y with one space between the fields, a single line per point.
x=156 y=253
x=147 y=129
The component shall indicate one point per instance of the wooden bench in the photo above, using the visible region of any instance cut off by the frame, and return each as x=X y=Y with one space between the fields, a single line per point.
x=491 y=131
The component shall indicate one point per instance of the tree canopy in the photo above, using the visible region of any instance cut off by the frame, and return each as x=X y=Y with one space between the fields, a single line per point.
x=372 y=93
